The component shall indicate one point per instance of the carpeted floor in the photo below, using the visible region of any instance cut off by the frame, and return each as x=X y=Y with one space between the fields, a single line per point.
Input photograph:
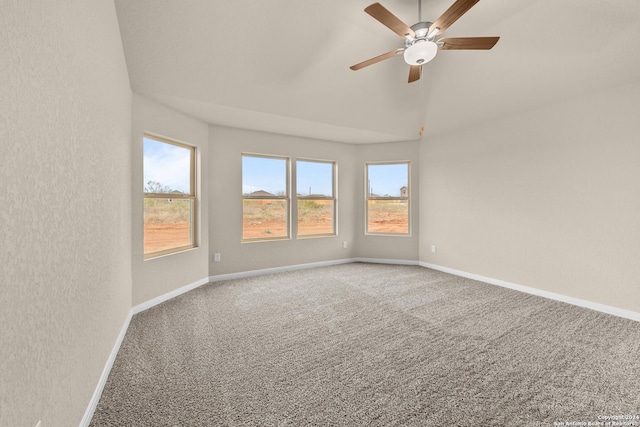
x=370 y=345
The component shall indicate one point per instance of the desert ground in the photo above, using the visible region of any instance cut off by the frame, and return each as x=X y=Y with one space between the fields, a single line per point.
x=167 y=226
x=162 y=236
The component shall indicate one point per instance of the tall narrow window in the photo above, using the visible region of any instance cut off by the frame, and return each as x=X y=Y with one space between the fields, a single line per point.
x=315 y=186
x=169 y=196
x=387 y=198
x=265 y=197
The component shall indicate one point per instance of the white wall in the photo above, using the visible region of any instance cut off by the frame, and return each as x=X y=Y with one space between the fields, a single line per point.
x=548 y=198
x=225 y=218
x=388 y=247
x=65 y=213
x=157 y=276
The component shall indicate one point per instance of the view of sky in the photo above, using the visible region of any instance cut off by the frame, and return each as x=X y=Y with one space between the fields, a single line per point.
x=167 y=164
x=387 y=179
x=264 y=173
x=270 y=175
x=314 y=178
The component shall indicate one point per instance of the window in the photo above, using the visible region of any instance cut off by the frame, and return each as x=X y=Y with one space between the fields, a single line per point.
x=169 y=196
x=265 y=197
x=315 y=187
x=387 y=198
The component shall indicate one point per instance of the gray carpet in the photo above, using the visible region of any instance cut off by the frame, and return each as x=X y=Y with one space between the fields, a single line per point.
x=370 y=345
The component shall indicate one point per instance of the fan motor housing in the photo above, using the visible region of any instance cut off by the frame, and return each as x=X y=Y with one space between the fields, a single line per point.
x=421 y=49
x=421 y=29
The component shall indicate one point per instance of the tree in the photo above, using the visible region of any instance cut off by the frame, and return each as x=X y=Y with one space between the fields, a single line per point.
x=156 y=187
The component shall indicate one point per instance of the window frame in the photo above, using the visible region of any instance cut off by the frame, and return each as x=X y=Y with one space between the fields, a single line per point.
x=286 y=197
x=192 y=196
x=333 y=198
x=367 y=197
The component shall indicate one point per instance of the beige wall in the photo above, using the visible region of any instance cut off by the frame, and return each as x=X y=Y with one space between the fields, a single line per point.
x=65 y=205
x=222 y=207
x=225 y=218
x=548 y=199
x=220 y=228
x=158 y=276
x=387 y=247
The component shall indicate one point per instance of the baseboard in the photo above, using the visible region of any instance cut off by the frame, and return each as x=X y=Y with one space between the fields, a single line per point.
x=86 y=419
x=627 y=314
x=386 y=261
x=169 y=295
x=251 y=273
x=242 y=274
x=93 y=403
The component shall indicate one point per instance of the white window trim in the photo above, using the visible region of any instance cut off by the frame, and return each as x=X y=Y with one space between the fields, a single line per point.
x=334 y=198
x=287 y=198
x=367 y=198
x=191 y=196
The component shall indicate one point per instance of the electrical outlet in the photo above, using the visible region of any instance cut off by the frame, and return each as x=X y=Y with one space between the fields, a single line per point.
x=344 y=245
x=216 y=257
x=433 y=248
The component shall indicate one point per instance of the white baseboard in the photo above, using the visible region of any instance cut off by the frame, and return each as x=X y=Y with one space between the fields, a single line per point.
x=86 y=419
x=242 y=274
x=627 y=314
x=169 y=295
x=93 y=403
x=251 y=273
x=295 y=267
x=386 y=261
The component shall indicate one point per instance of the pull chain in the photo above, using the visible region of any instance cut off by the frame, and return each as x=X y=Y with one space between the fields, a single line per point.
x=422 y=102
x=422 y=99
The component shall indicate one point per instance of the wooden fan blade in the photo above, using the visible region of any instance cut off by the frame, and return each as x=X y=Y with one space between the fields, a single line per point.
x=451 y=15
x=374 y=60
x=458 y=43
x=388 y=19
x=414 y=73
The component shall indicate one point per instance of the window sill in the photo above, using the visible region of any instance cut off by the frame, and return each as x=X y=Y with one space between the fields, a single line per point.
x=316 y=236
x=270 y=239
x=167 y=252
x=388 y=234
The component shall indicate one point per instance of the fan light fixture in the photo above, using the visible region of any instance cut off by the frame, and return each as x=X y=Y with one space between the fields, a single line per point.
x=420 y=43
x=420 y=52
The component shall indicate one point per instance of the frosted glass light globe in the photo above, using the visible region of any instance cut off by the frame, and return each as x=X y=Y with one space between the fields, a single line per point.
x=421 y=52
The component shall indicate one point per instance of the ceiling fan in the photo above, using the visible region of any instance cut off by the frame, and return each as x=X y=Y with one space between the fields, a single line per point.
x=420 y=44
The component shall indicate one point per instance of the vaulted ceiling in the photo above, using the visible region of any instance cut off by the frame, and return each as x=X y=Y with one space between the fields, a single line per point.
x=283 y=65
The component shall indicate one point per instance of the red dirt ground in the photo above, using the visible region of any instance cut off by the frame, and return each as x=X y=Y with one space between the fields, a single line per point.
x=163 y=236
x=391 y=225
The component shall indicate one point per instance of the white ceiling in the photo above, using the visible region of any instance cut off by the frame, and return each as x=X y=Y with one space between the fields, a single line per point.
x=283 y=65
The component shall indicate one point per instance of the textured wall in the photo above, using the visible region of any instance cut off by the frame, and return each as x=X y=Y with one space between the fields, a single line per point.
x=65 y=193
x=158 y=276
x=225 y=219
x=220 y=216
x=546 y=198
